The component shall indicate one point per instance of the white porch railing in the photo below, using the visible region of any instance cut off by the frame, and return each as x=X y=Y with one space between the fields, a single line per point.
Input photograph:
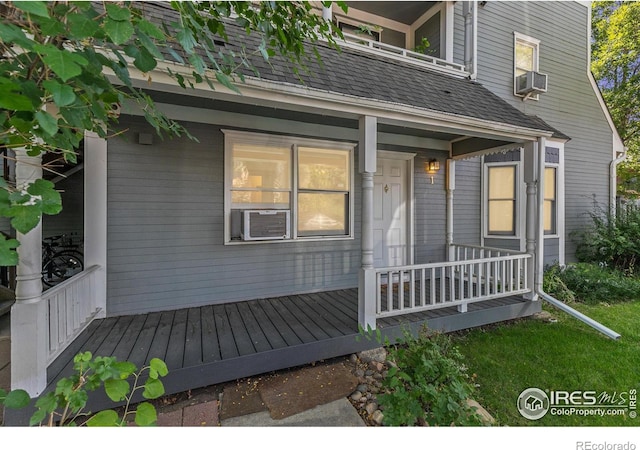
x=71 y=306
x=478 y=274
x=402 y=54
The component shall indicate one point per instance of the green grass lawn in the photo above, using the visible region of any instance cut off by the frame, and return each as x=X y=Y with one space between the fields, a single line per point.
x=566 y=355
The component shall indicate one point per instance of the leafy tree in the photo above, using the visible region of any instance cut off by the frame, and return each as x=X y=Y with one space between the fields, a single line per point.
x=615 y=63
x=65 y=64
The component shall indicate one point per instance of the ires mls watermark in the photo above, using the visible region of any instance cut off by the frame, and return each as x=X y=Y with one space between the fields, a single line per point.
x=534 y=403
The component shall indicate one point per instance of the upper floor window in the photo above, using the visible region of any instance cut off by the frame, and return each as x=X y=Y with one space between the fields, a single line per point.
x=526 y=55
x=286 y=187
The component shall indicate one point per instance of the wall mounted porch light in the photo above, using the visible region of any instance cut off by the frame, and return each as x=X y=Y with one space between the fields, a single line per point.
x=432 y=167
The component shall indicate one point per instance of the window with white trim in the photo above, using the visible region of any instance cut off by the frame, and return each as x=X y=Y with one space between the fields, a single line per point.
x=550 y=200
x=306 y=182
x=525 y=57
x=501 y=199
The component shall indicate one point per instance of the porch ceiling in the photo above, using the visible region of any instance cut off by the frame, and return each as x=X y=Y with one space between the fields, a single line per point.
x=403 y=12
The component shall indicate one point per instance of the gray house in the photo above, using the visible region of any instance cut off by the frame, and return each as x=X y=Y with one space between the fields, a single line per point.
x=387 y=188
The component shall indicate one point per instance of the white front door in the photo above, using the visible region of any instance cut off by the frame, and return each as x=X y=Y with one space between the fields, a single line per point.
x=390 y=237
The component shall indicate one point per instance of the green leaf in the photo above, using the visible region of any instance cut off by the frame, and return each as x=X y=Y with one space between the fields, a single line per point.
x=47 y=122
x=8 y=254
x=226 y=81
x=37 y=417
x=153 y=388
x=119 y=32
x=125 y=368
x=51 y=199
x=34 y=8
x=150 y=30
x=159 y=367
x=81 y=26
x=63 y=95
x=10 y=33
x=118 y=13
x=146 y=415
x=106 y=418
x=14 y=399
x=24 y=218
x=63 y=63
x=14 y=101
x=145 y=61
x=117 y=390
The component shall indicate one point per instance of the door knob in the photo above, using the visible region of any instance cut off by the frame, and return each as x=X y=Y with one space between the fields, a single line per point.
x=386 y=188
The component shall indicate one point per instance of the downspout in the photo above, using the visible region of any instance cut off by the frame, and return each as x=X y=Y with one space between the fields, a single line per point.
x=538 y=286
x=613 y=179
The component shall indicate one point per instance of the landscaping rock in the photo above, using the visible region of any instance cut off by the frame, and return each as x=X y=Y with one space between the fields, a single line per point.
x=376 y=354
x=487 y=419
x=377 y=417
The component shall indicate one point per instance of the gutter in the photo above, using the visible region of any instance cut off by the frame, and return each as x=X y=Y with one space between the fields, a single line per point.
x=613 y=179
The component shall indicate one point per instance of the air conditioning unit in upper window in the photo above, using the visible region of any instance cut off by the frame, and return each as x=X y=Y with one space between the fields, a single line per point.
x=531 y=83
x=265 y=224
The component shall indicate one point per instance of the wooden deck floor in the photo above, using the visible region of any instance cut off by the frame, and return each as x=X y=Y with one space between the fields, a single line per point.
x=213 y=344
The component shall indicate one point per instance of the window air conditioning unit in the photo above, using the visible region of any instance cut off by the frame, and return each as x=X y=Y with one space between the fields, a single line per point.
x=531 y=83
x=265 y=224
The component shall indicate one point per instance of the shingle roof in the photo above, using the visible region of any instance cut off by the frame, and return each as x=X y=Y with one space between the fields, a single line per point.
x=368 y=76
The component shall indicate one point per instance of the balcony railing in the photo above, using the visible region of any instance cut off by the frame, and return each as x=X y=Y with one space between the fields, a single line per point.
x=477 y=276
x=402 y=54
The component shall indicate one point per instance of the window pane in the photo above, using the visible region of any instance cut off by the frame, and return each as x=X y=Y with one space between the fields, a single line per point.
x=502 y=182
x=322 y=214
x=260 y=199
x=550 y=183
x=524 y=56
x=323 y=169
x=261 y=166
x=501 y=216
x=549 y=217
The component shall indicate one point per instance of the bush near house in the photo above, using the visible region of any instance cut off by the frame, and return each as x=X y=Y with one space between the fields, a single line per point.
x=612 y=240
x=427 y=384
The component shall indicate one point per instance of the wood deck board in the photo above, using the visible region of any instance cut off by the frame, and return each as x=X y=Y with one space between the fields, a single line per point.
x=114 y=337
x=348 y=298
x=286 y=331
x=176 y=346
x=269 y=329
x=318 y=314
x=298 y=328
x=254 y=329
x=210 y=342
x=140 y=352
x=346 y=314
x=126 y=345
x=307 y=321
x=193 y=338
x=228 y=347
x=240 y=333
x=331 y=313
x=160 y=342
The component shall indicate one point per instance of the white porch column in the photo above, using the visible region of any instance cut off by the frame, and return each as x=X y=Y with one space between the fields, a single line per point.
x=95 y=214
x=29 y=327
x=530 y=172
x=539 y=278
x=367 y=148
x=451 y=186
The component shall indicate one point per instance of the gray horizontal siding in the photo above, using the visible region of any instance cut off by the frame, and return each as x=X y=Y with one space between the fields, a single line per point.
x=570 y=104
x=467 y=199
x=166 y=233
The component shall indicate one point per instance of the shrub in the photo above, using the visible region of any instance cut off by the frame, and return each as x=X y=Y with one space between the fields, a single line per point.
x=428 y=384
x=65 y=405
x=591 y=283
x=613 y=240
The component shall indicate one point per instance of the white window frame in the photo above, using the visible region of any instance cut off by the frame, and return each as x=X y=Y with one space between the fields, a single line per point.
x=232 y=136
x=560 y=198
x=519 y=38
x=556 y=210
x=518 y=213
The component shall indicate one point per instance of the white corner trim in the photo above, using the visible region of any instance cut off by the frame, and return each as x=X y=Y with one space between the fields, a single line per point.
x=618 y=145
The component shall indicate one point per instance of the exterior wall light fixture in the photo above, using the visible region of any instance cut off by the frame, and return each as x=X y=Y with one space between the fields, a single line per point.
x=432 y=167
